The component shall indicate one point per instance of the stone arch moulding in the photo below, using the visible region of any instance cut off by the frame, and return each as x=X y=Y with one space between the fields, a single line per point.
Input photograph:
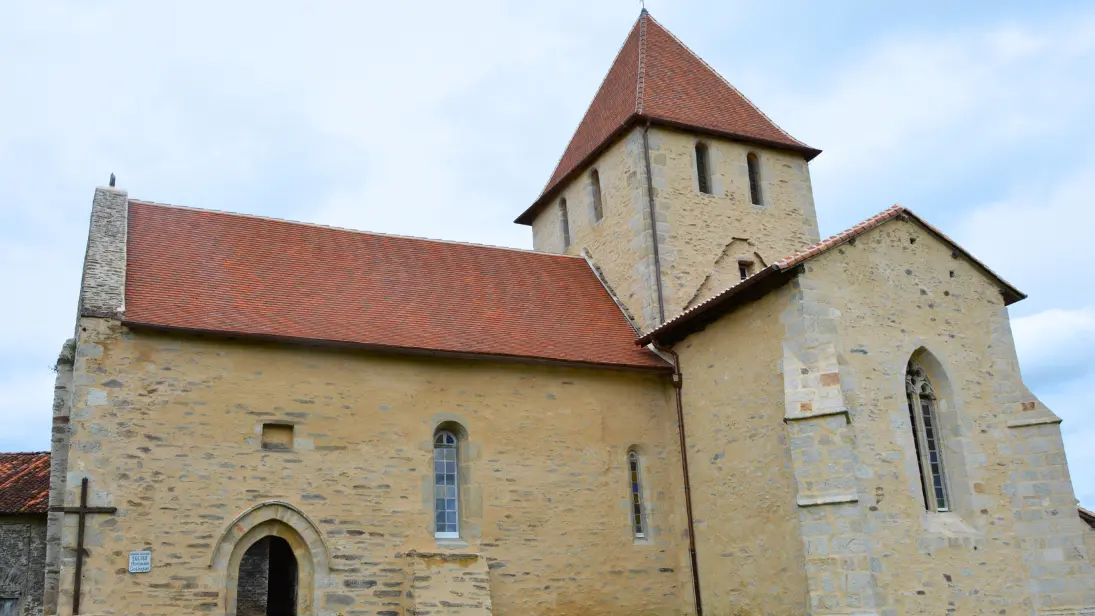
x=279 y=519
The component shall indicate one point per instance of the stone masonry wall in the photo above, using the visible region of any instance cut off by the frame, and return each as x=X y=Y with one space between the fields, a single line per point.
x=450 y=584
x=168 y=429
x=58 y=472
x=1011 y=541
x=695 y=230
x=102 y=291
x=1089 y=541
x=620 y=243
x=743 y=491
x=22 y=561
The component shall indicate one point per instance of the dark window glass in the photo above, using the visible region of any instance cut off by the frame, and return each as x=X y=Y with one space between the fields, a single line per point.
x=703 y=171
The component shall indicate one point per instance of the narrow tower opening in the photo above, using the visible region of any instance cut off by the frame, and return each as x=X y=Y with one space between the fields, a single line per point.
x=703 y=172
x=564 y=223
x=598 y=209
x=754 y=178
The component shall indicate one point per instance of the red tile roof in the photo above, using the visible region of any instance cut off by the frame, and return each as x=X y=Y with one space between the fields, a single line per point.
x=656 y=77
x=1087 y=516
x=24 y=482
x=700 y=314
x=212 y=271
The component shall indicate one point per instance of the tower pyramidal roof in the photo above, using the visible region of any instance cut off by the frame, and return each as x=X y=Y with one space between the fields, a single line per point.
x=656 y=78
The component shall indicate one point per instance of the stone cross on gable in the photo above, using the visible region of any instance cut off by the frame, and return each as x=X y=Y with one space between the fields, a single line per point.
x=83 y=511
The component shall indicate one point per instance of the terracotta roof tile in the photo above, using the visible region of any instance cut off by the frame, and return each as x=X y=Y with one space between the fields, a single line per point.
x=681 y=321
x=213 y=271
x=656 y=77
x=24 y=482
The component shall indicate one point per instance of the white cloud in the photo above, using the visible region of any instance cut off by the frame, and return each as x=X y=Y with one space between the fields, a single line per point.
x=1056 y=344
x=1036 y=237
x=920 y=113
x=444 y=120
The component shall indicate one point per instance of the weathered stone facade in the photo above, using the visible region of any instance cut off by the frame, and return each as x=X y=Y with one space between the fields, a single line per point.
x=168 y=429
x=22 y=557
x=701 y=237
x=842 y=334
x=805 y=480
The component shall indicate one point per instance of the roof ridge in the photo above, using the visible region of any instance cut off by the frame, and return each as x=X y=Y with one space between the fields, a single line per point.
x=592 y=100
x=727 y=82
x=349 y=230
x=640 y=77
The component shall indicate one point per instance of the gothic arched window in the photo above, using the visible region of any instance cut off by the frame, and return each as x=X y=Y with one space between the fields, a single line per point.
x=703 y=168
x=926 y=434
x=638 y=518
x=446 y=509
x=753 y=163
x=598 y=210
x=564 y=223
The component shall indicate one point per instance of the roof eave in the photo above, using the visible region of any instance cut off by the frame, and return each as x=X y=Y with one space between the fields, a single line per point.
x=530 y=213
x=399 y=350
x=699 y=317
x=704 y=314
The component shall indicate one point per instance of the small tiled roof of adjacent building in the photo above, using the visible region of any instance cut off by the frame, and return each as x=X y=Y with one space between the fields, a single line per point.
x=656 y=77
x=1087 y=516
x=24 y=483
x=208 y=271
x=701 y=314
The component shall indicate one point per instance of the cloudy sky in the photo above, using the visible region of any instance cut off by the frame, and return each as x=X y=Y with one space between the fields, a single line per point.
x=444 y=119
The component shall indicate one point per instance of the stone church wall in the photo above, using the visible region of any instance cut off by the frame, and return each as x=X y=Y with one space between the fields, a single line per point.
x=695 y=230
x=22 y=561
x=1011 y=540
x=169 y=430
x=747 y=527
x=1089 y=541
x=620 y=242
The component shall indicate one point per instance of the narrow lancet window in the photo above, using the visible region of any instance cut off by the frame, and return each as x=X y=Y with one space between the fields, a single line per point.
x=929 y=450
x=564 y=223
x=754 y=178
x=446 y=506
x=703 y=172
x=638 y=521
x=598 y=210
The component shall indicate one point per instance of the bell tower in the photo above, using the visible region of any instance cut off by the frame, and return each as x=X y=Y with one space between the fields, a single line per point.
x=674 y=185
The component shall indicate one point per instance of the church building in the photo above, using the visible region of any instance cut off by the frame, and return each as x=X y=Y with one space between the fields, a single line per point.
x=682 y=401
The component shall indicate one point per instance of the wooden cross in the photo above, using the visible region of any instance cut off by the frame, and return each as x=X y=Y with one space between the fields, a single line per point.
x=83 y=510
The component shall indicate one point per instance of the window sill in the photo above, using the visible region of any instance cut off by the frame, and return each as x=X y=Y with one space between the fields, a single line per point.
x=949 y=524
x=450 y=543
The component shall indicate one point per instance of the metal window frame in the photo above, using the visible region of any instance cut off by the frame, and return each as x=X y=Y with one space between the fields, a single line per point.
x=918 y=392
x=455 y=447
x=635 y=496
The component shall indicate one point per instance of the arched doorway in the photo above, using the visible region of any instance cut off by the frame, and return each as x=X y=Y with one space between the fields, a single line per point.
x=266 y=584
x=272 y=519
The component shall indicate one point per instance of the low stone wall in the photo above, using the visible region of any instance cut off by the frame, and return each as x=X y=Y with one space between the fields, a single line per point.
x=22 y=561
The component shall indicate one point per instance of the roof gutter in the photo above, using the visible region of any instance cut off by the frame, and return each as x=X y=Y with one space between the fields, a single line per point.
x=678 y=386
x=395 y=350
x=750 y=288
